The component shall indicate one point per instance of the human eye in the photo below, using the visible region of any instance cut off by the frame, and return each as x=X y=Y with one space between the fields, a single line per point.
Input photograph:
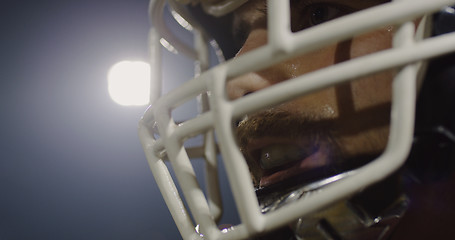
x=305 y=14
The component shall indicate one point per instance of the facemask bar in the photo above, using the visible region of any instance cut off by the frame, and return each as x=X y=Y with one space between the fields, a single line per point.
x=216 y=8
x=200 y=54
x=284 y=45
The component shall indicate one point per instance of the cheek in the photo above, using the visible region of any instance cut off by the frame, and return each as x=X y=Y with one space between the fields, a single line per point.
x=300 y=65
x=257 y=38
x=372 y=42
x=315 y=60
x=374 y=89
x=320 y=105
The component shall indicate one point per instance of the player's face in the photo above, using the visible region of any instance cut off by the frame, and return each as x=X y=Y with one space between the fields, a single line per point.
x=335 y=128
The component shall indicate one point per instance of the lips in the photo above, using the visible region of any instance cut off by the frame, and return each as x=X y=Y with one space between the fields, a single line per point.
x=279 y=144
x=273 y=156
x=302 y=166
x=273 y=160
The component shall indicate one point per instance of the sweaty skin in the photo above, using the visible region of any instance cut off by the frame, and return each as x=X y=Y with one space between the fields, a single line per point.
x=333 y=125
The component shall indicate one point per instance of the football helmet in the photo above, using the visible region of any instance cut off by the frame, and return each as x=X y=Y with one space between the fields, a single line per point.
x=327 y=204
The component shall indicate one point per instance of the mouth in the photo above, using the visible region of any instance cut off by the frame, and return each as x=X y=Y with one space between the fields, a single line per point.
x=280 y=167
x=275 y=160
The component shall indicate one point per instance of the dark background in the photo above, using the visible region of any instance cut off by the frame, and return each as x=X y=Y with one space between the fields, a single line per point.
x=71 y=165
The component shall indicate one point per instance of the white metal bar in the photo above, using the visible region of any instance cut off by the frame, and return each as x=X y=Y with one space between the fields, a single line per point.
x=156 y=15
x=166 y=185
x=237 y=170
x=278 y=25
x=221 y=8
x=399 y=144
x=234 y=162
x=155 y=65
x=186 y=176
x=211 y=162
x=345 y=71
x=334 y=31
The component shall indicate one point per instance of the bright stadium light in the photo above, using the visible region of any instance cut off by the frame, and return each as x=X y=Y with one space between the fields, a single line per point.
x=129 y=83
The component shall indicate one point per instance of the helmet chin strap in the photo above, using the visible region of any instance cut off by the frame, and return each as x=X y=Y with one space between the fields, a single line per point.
x=370 y=214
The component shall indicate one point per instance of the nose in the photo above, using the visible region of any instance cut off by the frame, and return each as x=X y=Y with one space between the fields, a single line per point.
x=254 y=81
x=246 y=84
